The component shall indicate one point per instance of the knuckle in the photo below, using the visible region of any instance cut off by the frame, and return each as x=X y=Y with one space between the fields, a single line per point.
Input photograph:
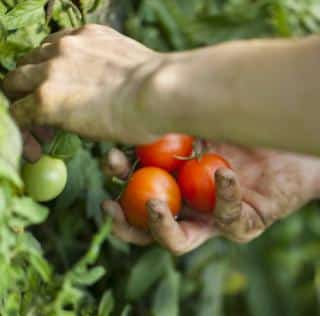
x=52 y=67
x=66 y=43
x=90 y=28
x=42 y=99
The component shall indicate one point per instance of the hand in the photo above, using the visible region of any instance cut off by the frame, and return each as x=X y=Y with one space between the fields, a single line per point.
x=79 y=80
x=32 y=140
x=262 y=187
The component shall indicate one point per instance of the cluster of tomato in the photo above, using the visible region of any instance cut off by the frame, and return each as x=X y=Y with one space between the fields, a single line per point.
x=171 y=173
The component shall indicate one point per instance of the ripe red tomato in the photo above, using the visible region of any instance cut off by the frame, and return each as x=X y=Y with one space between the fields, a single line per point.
x=196 y=181
x=162 y=153
x=145 y=184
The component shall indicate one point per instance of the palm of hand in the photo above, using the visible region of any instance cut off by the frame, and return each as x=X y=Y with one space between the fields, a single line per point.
x=263 y=186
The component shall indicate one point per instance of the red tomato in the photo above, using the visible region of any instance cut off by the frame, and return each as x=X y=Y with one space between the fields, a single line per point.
x=162 y=153
x=145 y=184
x=196 y=181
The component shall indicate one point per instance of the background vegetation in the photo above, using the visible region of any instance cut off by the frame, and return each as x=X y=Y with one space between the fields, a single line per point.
x=59 y=259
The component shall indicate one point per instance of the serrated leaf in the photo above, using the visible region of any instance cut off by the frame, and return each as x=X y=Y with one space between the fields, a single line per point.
x=24 y=13
x=95 y=191
x=64 y=146
x=27 y=37
x=75 y=182
x=156 y=262
x=106 y=305
x=29 y=210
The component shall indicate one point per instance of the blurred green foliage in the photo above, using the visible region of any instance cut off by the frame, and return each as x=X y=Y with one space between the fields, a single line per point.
x=59 y=259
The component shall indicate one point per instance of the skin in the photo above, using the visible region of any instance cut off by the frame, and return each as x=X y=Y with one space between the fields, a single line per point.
x=103 y=85
x=263 y=186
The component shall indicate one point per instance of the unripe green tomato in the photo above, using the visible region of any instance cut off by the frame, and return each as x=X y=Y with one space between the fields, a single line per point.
x=45 y=179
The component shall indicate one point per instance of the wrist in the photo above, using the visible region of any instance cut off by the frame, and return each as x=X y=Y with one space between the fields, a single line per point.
x=316 y=180
x=190 y=95
x=130 y=115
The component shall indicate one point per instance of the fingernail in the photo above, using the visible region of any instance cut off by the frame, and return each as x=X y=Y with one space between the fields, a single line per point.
x=154 y=216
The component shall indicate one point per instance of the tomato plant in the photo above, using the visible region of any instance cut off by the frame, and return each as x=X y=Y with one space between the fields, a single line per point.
x=196 y=181
x=163 y=153
x=145 y=184
x=45 y=179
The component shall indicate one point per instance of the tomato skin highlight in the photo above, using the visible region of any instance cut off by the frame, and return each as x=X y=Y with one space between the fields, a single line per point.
x=196 y=181
x=145 y=184
x=45 y=179
x=162 y=153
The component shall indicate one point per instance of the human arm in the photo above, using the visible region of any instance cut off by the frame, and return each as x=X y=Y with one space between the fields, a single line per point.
x=253 y=93
x=256 y=93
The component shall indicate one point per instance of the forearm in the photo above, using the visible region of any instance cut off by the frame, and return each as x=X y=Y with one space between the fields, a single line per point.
x=257 y=93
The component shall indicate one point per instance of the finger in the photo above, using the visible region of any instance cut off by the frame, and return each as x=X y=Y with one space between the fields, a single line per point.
x=121 y=228
x=54 y=37
x=236 y=219
x=229 y=198
x=43 y=134
x=31 y=148
x=24 y=80
x=177 y=237
x=24 y=111
x=39 y=54
x=116 y=163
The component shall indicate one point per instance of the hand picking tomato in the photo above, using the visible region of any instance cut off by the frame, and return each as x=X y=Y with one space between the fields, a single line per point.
x=45 y=179
x=163 y=153
x=145 y=184
x=196 y=181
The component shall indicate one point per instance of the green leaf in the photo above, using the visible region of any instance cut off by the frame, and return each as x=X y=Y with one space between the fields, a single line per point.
x=149 y=268
x=24 y=13
x=75 y=182
x=260 y=294
x=97 y=242
x=29 y=210
x=166 y=299
x=213 y=279
x=66 y=14
x=64 y=146
x=12 y=304
x=26 y=242
x=126 y=311
x=9 y=173
x=87 y=277
x=3 y=9
x=106 y=305
x=95 y=191
x=10 y=140
x=4 y=103
x=118 y=244
x=41 y=266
